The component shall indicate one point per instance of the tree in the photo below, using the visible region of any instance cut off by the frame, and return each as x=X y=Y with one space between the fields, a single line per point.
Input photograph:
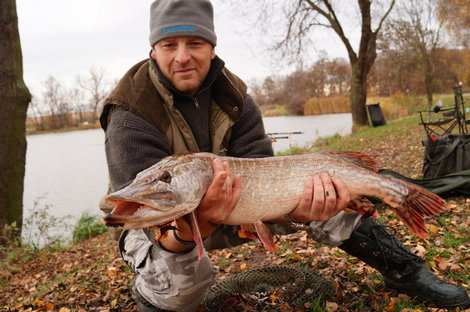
x=55 y=99
x=95 y=86
x=36 y=114
x=304 y=16
x=79 y=107
x=14 y=100
x=417 y=31
x=456 y=17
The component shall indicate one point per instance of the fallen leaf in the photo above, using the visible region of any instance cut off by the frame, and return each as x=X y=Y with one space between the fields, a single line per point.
x=433 y=229
x=113 y=272
x=441 y=262
x=273 y=297
x=420 y=250
x=391 y=305
x=331 y=306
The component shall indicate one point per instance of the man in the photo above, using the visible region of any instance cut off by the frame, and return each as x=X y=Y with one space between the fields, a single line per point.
x=183 y=99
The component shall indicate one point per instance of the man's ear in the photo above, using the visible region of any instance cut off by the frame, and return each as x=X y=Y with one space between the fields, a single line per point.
x=213 y=53
x=153 y=54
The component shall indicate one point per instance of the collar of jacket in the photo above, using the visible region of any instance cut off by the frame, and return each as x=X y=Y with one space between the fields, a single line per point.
x=138 y=92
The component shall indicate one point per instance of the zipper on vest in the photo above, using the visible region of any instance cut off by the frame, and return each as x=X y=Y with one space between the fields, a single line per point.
x=198 y=108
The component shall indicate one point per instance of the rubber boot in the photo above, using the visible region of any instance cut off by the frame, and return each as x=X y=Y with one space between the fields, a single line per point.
x=402 y=270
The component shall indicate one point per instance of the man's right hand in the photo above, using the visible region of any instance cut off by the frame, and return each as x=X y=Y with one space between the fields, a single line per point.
x=219 y=201
x=221 y=197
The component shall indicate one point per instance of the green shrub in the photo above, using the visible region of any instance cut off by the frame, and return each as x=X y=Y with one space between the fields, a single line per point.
x=41 y=229
x=88 y=226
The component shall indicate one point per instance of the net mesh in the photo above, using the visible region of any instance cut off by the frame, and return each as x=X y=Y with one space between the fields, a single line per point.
x=267 y=289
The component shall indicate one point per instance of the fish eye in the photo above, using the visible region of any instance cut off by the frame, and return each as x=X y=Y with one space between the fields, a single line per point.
x=165 y=177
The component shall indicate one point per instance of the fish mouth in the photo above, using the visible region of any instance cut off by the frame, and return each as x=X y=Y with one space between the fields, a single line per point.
x=129 y=214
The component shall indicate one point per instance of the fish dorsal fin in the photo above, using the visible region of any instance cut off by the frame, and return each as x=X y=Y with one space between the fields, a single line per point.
x=357 y=158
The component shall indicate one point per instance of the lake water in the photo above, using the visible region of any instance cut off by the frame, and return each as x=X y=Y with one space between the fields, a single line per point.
x=67 y=171
x=312 y=128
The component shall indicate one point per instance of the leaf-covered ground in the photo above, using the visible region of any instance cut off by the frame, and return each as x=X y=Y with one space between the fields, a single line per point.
x=90 y=275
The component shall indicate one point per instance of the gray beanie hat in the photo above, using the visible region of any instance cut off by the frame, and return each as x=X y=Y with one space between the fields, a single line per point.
x=181 y=18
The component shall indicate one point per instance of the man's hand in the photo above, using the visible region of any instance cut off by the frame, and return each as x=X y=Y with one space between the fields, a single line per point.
x=322 y=199
x=220 y=199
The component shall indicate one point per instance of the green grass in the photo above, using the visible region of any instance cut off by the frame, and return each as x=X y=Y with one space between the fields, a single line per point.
x=317 y=306
x=367 y=136
x=454 y=242
x=461 y=276
x=292 y=151
x=222 y=263
x=88 y=226
x=364 y=137
x=401 y=305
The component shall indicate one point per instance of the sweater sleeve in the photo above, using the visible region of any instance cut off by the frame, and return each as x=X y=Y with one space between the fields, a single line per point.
x=248 y=138
x=132 y=145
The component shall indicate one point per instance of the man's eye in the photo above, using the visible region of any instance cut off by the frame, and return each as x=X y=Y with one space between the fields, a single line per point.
x=168 y=45
x=196 y=43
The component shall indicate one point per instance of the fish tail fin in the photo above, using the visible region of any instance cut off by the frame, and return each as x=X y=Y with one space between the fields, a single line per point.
x=265 y=236
x=418 y=203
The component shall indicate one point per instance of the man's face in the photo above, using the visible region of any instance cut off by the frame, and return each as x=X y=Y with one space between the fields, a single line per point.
x=185 y=61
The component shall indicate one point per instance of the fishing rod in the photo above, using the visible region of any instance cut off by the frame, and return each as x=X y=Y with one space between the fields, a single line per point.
x=282 y=135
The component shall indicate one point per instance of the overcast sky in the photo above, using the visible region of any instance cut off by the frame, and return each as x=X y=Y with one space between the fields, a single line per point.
x=65 y=38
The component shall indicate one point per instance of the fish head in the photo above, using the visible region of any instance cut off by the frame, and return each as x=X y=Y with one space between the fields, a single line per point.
x=164 y=192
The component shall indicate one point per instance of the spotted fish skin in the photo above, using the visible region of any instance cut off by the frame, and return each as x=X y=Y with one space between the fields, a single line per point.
x=271 y=187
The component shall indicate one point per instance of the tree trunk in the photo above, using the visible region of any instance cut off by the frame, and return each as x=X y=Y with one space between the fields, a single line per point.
x=428 y=78
x=14 y=100
x=360 y=67
x=358 y=97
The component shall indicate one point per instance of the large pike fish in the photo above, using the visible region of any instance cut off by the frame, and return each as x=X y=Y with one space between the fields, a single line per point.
x=271 y=187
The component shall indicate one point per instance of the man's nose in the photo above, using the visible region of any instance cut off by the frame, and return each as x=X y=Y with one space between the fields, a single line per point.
x=183 y=55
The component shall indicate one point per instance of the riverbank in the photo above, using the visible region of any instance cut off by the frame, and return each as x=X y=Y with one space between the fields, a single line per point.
x=90 y=276
x=82 y=127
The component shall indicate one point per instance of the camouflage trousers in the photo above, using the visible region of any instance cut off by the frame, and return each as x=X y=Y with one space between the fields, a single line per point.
x=178 y=281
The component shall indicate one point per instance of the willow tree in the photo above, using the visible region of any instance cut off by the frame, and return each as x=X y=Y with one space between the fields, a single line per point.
x=14 y=100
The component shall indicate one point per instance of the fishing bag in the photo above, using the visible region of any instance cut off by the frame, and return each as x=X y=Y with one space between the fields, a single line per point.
x=454 y=184
x=445 y=154
x=375 y=114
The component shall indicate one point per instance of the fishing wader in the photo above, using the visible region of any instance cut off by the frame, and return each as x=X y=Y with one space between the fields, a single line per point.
x=402 y=270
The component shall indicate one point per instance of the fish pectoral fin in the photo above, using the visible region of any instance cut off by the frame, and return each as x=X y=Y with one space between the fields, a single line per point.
x=247 y=231
x=363 y=206
x=357 y=158
x=196 y=235
x=265 y=236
